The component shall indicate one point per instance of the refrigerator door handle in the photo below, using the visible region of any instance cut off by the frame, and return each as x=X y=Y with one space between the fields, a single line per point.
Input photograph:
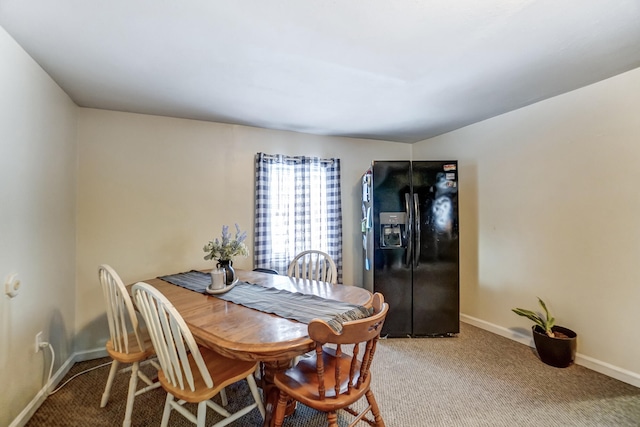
x=416 y=222
x=409 y=228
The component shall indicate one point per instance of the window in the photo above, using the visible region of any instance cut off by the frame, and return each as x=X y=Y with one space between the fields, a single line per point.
x=298 y=207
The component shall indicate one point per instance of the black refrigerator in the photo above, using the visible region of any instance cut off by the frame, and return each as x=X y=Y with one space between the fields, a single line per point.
x=410 y=241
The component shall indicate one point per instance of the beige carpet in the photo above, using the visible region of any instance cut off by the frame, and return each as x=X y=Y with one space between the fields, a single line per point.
x=474 y=379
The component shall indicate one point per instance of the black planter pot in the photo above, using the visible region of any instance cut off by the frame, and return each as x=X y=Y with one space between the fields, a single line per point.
x=558 y=352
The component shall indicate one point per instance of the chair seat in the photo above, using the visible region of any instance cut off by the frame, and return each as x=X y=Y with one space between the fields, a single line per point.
x=301 y=381
x=224 y=371
x=135 y=353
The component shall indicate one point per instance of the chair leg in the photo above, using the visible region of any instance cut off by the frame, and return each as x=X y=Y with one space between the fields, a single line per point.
x=332 y=417
x=374 y=409
x=167 y=410
x=280 y=409
x=223 y=397
x=202 y=414
x=133 y=383
x=107 y=388
x=256 y=394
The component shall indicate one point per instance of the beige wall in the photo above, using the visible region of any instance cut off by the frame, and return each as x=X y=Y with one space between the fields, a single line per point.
x=550 y=207
x=153 y=190
x=37 y=224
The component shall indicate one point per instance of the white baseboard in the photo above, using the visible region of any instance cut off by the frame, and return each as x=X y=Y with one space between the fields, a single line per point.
x=82 y=356
x=26 y=414
x=582 y=360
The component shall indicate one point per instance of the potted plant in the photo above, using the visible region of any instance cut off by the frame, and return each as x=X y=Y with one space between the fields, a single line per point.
x=556 y=345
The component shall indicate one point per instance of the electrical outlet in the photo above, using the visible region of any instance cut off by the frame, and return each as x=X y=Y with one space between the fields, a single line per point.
x=38 y=341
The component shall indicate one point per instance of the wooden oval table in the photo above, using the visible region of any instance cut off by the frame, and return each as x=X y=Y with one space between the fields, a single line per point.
x=247 y=334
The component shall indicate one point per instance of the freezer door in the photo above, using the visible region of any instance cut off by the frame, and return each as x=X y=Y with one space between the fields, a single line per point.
x=436 y=267
x=391 y=183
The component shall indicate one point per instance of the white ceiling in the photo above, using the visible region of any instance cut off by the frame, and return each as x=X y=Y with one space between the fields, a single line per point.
x=399 y=70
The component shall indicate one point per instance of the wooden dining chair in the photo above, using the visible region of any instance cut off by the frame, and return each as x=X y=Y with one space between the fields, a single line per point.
x=129 y=343
x=314 y=265
x=188 y=372
x=338 y=375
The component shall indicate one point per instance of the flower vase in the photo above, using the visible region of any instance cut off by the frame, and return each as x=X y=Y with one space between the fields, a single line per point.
x=230 y=274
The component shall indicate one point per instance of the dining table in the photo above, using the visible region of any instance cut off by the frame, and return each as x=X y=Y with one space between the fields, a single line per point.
x=244 y=333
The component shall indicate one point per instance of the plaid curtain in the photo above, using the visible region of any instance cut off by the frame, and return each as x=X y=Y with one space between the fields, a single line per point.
x=298 y=207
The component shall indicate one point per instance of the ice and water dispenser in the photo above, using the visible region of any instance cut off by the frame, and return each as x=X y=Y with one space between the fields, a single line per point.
x=392 y=229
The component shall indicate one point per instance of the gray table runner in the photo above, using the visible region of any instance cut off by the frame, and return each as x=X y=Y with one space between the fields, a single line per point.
x=193 y=280
x=290 y=305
